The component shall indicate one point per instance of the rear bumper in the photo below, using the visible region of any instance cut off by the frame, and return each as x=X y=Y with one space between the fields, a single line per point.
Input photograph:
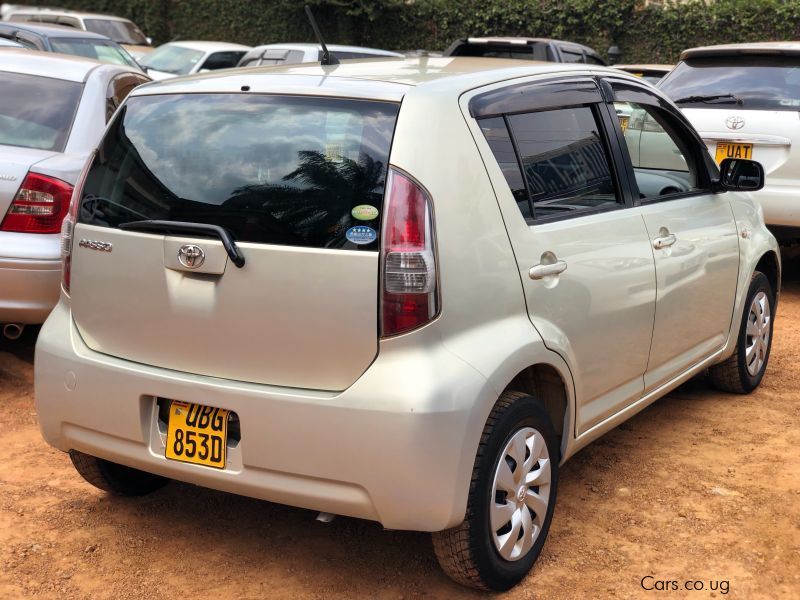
x=28 y=289
x=396 y=447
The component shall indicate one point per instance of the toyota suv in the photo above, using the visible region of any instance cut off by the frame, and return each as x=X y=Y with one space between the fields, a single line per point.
x=402 y=290
x=744 y=100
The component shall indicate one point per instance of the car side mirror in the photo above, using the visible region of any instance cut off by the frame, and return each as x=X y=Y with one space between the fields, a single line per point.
x=740 y=175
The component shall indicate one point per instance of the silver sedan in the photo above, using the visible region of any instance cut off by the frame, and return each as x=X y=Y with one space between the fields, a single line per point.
x=52 y=113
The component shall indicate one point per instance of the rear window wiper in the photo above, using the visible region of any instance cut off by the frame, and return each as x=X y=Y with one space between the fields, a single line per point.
x=710 y=99
x=230 y=246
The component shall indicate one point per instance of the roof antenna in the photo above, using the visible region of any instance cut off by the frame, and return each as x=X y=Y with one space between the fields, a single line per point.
x=327 y=57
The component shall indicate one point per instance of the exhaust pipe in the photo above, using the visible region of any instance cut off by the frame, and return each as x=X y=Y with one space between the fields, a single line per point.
x=13 y=331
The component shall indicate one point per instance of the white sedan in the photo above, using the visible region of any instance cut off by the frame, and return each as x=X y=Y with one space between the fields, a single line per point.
x=185 y=58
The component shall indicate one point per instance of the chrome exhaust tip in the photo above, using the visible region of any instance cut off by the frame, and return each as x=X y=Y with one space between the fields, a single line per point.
x=13 y=331
x=324 y=517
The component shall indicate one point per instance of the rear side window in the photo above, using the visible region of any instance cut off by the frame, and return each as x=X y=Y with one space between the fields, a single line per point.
x=564 y=162
x=743 y=82
x=37 y=112
x=535 y=51
x=222 y=60
x=122 y=32
x=571 y=56
x=295 y=171
x=95 y=49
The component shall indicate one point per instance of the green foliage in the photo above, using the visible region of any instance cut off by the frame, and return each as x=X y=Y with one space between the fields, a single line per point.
x=651 y=33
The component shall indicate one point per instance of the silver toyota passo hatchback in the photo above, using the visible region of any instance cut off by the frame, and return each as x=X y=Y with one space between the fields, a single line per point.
x=403 y=290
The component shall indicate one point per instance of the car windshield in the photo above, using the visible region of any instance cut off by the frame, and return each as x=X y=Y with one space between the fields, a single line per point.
x=172 y=59
x=760 y=83
x=122 y=32
x=108 y=52
x=37 y=112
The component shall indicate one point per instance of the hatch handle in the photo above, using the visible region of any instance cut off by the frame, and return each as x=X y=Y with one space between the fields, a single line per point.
x=225 y=237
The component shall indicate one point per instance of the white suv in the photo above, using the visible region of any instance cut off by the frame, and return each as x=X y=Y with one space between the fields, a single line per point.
x=744 y=100
x=402 y=290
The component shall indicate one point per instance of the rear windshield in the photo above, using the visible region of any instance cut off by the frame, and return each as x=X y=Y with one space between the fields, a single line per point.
x=289 y=170
x=535 y=51
x=760 y=83
x=37 y=112
x=122 y=32
x=107 y=52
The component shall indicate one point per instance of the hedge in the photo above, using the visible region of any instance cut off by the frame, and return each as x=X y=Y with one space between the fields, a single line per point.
x=644 y=33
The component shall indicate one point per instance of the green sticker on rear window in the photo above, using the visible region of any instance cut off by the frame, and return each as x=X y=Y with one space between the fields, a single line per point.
x=364 y=212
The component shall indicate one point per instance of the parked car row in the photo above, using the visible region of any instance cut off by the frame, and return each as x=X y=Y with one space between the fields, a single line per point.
x=398 y=289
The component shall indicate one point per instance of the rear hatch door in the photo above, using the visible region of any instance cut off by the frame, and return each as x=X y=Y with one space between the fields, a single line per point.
x=296 y=181
x=744 y=103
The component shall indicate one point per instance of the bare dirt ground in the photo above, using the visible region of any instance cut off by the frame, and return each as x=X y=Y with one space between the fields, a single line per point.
x=701 y=486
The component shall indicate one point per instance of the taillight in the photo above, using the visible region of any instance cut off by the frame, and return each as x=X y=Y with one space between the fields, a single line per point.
x=68 y=227
x=409 y=294
x=39 y=206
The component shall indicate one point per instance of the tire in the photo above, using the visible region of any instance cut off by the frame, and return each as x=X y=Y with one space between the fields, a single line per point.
x=113 y=478
x=469 y=553
x=733 y=375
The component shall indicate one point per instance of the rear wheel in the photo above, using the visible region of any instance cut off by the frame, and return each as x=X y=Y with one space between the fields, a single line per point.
x=742 y=372
x=511 y=499
x=113 y=478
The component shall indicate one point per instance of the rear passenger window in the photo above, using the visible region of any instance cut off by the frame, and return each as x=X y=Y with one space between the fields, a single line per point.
x=569 y=56
x=222 y=60
x=555 y=161
x=496 y=133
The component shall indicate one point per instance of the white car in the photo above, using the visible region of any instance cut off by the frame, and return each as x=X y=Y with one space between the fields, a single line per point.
x=287 y=54
x=744 y=99
x=52 y=115
x=186 y=58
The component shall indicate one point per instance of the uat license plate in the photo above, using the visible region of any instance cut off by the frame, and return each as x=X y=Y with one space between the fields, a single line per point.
x=730 y=150
x=197 y=434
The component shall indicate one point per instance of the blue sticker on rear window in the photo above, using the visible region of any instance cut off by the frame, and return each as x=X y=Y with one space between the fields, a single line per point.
x=361 y=234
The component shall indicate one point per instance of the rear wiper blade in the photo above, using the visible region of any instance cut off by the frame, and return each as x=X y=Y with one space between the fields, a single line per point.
x=230 y=246
x=711 y=99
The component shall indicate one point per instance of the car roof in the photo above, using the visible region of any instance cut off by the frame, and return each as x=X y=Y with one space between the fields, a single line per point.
x=331 y=47
x=32 y=10
x=55 y=66
x=370 y=78
x=204 y=46
x=53 y=31
x=763 y=48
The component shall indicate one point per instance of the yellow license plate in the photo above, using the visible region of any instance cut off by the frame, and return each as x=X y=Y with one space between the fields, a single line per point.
x=729 y=150
x=197 y=434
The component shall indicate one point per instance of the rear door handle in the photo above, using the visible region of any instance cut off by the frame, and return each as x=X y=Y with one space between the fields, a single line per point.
x=664 y=242
x=542 y=271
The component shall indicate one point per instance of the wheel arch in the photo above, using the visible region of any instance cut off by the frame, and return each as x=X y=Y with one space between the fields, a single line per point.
x=769 y=264
x=553 y=388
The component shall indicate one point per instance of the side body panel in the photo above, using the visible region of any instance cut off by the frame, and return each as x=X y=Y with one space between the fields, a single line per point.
x=696 y=281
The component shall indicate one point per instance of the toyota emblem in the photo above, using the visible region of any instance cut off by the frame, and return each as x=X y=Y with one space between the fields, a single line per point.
x=734 y=122
x=191 y=256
